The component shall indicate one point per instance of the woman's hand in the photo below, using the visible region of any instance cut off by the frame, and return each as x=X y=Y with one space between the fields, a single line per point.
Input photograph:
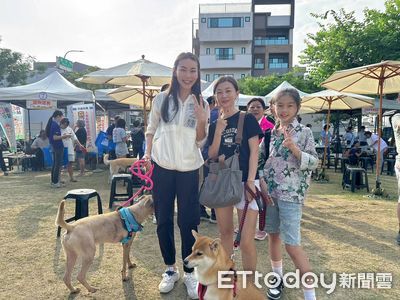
x=251 y=185
x=200 y=111
x=147 y=158
x=221 y=124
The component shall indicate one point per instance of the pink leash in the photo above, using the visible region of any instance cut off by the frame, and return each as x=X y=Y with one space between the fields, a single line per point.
x=136 y=169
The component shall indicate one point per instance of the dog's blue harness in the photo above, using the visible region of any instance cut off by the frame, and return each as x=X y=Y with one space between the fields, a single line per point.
x=129 y=222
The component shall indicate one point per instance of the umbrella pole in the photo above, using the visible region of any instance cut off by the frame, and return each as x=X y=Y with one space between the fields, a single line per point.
x=378 y=156
x=144 y=104
x=328 y=120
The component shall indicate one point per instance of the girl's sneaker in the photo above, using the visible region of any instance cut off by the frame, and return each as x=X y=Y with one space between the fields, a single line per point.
x=260 y=235
x=275 y=293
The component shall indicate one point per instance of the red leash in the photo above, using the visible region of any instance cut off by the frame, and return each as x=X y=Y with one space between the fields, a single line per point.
x=136 y=169
x=261 y=201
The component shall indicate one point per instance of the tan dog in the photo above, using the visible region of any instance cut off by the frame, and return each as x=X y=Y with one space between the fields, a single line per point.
x=118 y=164
x=82 y=236
x=207 y=258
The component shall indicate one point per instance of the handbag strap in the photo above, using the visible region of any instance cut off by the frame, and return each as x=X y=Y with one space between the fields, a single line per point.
x=239 y=134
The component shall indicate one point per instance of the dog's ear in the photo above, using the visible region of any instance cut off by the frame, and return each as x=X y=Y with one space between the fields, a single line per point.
x=195 y=234
x=215 y=244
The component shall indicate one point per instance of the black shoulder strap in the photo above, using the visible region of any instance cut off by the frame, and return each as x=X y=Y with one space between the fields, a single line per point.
x=267 y=140
x=239 y=134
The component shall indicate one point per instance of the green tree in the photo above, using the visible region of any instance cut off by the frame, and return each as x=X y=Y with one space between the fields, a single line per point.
x=343 y=42
x=261 y=86
x=14 y=67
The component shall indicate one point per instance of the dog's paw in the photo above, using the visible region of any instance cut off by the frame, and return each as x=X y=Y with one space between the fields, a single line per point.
x=132 y=265
x=75 y=290
x=125 y=278
x=93 y=289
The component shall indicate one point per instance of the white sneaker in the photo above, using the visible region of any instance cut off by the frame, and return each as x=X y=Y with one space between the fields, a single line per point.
x=167 y=283
x=191 y=285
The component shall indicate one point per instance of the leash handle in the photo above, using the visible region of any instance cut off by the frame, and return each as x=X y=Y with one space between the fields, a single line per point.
x=136 y=169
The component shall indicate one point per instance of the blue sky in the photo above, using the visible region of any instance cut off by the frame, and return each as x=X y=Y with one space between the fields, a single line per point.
x=113 y=32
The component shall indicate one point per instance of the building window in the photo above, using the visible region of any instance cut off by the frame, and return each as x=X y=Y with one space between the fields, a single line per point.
x=242 y=75
x=208 y=77
x=243 y=51
x=203 y=20
x=247 y=19
x=216 y=76
x=271 y=40
x=224 y=53
x=277 y=61
x=208 y=51
x=259 y=64
x=225 y=22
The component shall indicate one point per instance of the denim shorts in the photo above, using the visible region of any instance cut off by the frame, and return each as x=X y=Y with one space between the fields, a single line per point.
x=284 y=218
x=398 y=180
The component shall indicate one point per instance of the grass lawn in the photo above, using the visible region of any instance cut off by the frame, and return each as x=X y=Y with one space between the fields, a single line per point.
x=341 y=232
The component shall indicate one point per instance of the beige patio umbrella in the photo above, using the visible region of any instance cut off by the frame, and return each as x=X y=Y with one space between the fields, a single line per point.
x=141 y=72
x=380 y=78
x=133 y=95
x=333 y=100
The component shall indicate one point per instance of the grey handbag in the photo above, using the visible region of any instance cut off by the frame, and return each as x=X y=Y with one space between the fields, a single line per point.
x=223 y=186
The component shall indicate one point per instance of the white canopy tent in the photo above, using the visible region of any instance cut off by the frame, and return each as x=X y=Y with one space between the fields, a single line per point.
x=242 y=100
x=282 y=86
x=43 y=92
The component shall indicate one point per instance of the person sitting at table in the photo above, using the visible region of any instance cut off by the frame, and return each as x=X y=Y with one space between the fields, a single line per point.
x=361 y=136
x=354 y=153
x=2 y=163
x=37 y=147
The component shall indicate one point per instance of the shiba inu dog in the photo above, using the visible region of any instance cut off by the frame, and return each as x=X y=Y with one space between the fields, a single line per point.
x=208 y=258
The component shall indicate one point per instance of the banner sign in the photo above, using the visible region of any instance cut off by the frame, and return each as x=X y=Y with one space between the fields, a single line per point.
x=370 y=111
x=86 y=113
x=41 y=104
x=7 y=123
x=18 y=117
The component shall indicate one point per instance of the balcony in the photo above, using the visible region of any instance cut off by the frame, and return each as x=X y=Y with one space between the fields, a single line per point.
x=235 y=61
x=278 y=21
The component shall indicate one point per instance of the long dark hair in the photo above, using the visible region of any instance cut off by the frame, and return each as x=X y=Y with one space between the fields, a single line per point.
x=173 y=89
x=55 y=114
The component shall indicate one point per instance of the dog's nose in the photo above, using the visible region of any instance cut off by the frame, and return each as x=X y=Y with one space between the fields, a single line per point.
x=185 y=262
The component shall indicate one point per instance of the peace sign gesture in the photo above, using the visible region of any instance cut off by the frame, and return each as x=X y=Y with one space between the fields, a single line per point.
x=221 y=123
x=200 y=111
x=288 y=140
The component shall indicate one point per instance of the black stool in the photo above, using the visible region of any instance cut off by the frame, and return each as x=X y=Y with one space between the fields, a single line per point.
x=114 y=196
x=390 y=166
x=365 y=160
x=81 y=197
x=349 y=178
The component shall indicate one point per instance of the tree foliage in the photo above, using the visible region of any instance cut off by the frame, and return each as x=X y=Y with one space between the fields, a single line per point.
x=14 y=67
x=261 y=86
x=344 y=42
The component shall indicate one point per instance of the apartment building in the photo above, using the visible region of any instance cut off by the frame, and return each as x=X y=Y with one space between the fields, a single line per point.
x=223 y=40
x=243 y=39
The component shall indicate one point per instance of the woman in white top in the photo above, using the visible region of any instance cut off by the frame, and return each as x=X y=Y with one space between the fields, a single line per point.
x=176 y=132
x=69 y=143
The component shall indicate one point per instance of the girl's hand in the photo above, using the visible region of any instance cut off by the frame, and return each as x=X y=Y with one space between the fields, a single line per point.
x=200 y=111
x=147 y=158
x=288 y=141
x=221 y=124
x=264 y=192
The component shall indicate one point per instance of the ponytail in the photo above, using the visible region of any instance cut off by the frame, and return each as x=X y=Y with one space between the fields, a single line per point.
x=54 y=115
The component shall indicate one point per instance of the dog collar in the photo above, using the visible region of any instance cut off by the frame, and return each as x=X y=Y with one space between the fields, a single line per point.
x=202 y=289
x=129 y=222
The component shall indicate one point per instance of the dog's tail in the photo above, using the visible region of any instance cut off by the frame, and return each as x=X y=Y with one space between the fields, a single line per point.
x=60 y=217
x=105 y=160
